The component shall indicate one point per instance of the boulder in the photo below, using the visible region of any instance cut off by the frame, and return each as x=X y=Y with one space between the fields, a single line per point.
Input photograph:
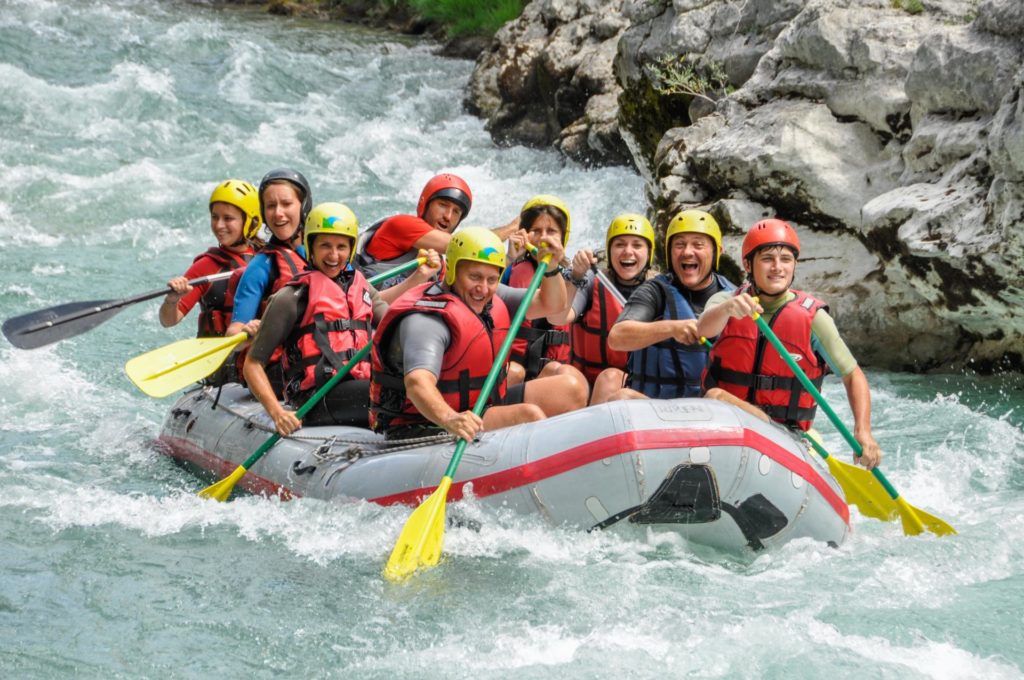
x=547 y=80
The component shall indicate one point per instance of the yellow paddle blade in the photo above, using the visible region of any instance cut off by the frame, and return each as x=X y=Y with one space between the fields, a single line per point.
x=937 y=526
x=221 y=491
x=422 y=537
x=862 y=490
x=174 y=367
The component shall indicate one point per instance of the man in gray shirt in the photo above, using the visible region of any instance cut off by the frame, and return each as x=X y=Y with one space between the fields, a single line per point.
x=435 y=347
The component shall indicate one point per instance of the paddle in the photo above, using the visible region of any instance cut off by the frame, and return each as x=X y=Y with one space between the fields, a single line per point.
x=422 y=538
x=49 y=325
x=859 y=486
x=173 y=367
x=607 y=283
x=222 y=490
x=914 y=519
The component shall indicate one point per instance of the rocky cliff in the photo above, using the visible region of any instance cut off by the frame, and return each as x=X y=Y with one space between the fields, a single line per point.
x=889 y=132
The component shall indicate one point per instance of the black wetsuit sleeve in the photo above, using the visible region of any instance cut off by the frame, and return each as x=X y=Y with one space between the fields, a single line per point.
x=645 y=304
x=283 y=312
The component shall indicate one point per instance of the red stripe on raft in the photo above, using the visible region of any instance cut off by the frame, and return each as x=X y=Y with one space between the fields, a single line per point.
x=619 y=444
x=185 y=450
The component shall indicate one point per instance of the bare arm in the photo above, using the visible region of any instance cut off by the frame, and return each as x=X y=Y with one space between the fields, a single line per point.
x=170 y=315
x=422 y=274
x=629 y=336
x=259 y=385
x=421 y=387
x=859 y=395
x=552 y=298
x=715 y=316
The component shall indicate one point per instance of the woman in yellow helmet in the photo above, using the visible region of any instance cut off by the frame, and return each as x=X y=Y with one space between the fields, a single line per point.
x=541 y=349
x=234 y=220
x=629 y=244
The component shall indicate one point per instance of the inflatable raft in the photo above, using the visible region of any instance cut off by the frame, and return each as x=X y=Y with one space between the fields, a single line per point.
x=696 y=467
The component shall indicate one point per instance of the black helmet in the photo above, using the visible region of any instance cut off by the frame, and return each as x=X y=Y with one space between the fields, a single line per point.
x=294 y=177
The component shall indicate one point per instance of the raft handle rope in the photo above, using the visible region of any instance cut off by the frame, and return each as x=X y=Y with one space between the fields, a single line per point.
x=356 y=445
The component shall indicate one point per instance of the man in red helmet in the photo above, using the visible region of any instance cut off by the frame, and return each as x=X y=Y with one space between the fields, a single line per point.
x=742 y=365
x=444 y=203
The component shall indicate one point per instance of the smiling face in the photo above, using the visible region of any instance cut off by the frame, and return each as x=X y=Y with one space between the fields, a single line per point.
x=545 y=226
x=227 y=224
x=772 y=269
x=628 y=256
x=443 y=213
x=282 y=209
x=331 y=253
x=476 y=283
x=691 y=256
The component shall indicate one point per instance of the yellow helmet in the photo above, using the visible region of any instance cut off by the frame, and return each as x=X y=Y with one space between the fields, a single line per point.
x=695 y=222
x=554 y=202
x=330 y=218
x=473 y=244
x=631 y=224
x=243 y=196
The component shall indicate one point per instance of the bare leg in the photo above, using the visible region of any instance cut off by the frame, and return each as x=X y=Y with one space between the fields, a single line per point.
x=607 y=383
x=722 y=395
x=558 y=394
x=516 y=374
x=626 y=393
x=497 y=417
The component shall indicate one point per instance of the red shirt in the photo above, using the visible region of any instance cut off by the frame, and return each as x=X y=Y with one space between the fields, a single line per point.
x=397 y=236
x=204 y=266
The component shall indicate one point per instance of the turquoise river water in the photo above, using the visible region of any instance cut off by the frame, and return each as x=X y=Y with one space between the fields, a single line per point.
x=116 y=120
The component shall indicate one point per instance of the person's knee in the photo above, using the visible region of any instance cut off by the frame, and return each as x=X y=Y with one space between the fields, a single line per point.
x=716 y=393
x=516 y=373
x=530 y=413
x=577 y=391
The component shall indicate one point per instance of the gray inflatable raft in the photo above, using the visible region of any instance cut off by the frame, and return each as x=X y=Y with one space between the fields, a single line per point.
x=700 y=468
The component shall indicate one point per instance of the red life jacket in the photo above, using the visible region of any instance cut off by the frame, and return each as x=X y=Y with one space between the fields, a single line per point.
x=537 y=341
x=216 y=303
x=743 y=363
x=285 y=264
x=590 y=351
x=475 y=343
x=335 y=326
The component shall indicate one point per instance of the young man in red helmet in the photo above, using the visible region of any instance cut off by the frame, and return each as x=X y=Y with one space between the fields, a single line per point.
x=743 y=366
x=444 y=203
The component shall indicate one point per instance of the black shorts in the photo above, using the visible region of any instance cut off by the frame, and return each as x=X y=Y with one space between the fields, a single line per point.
x=514 y=395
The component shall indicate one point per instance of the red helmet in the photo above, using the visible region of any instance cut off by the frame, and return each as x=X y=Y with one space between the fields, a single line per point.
x=772 y=232
x=452 y=187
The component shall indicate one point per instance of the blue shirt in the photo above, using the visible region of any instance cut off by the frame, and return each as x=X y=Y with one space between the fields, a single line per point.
x=253 y=286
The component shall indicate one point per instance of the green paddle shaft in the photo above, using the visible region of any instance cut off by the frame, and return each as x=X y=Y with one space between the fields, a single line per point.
x=308 y=406
x=809 y=386
x=499 y=361
x=337 y=377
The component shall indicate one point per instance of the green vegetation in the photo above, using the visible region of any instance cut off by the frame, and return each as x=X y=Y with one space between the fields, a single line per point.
x=908 y=6
x=683 y=74
x=464 y=17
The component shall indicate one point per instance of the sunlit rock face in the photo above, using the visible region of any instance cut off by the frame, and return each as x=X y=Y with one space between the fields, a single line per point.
x=547 y=80
x=891 y=134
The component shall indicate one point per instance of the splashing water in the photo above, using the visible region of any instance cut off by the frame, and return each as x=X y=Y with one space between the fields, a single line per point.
x=118 y=119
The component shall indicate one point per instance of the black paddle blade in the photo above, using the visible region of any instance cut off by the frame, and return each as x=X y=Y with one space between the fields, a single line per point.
x=49 y=325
